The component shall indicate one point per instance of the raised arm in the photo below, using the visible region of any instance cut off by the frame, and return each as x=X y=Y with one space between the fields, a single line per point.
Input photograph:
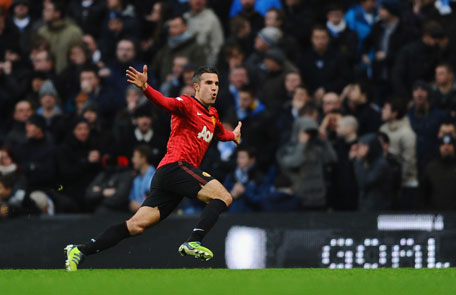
x=169 y=104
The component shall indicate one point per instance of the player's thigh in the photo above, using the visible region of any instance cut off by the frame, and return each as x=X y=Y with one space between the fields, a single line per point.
x=143 y=218
x=214 y=190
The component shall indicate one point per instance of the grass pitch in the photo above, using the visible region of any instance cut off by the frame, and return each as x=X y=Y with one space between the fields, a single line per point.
x=233 y=282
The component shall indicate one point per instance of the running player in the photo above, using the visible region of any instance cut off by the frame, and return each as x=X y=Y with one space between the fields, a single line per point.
x=194 y=122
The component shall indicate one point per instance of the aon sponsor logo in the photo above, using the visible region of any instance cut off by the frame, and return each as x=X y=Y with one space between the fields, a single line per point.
x=205 y=134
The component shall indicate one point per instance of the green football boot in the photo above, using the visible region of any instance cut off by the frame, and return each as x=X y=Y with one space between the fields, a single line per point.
x=73 y=257
x=195 y=249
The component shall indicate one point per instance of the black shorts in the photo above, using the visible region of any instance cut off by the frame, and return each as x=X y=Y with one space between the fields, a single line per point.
x=171 y=183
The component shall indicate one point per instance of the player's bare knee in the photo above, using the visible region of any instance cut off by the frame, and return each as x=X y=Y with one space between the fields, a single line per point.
x=135 y=228
x=227 y=198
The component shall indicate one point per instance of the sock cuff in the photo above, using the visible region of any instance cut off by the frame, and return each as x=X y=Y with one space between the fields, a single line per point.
x=219 y=204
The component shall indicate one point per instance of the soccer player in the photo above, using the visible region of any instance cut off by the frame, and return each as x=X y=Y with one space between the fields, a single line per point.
x=194 y=122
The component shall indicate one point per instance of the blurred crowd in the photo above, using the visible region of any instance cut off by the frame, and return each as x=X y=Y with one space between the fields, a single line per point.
x=346 y=105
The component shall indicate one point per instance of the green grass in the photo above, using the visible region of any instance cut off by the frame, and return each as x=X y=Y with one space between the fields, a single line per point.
x=233 y=282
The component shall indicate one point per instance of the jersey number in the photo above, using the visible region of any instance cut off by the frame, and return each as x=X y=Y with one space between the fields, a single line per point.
x=205 y=134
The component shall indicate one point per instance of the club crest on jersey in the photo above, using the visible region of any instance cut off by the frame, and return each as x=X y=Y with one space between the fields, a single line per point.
x=206 y=174
x=205 y=134
x=213 y=120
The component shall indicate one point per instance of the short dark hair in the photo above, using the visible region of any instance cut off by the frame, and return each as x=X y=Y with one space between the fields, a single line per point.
x=280 y=14
x=202 y=70
x=249 y=89
x=60 y=7
x=250 y=150
x=89 y=68
x=398 y=105
x=145 y=151
x=364 y=87
x=383 y=137
x=446 y=65
x=320 y=27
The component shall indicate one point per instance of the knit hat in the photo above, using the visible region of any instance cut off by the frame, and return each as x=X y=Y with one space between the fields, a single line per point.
x=392 y=6
x=48 y=88
x=38 y=121
x=276 y=55
x=270 y=35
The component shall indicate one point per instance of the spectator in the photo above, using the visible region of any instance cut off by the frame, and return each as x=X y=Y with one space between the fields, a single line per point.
x=16 y=136
x=141 y=184
x=206 y=26
x=95 y=52
x=381 y=46
x=153 y=25
x=120 y=23
x=58 y=31
x=143 y=133
x=273 y=92
x=17 y=202
x=361 y=17
x=291 y=112
x=444 y=88
x=228 y=96
x=241 y=34
x=416 y=61
x=257 y=131
x=343 y=195
x=94 y=90
x=78 y=161
x=109 y=190
x=323 y=68
x=36 y=155
x=402 y=144
x=247 y=184
x=356 y=103
x=98 y=128
x=43 y=62
x=292 y=81
x=114 y=72
x=247 y=10
x=180 y=43
x=373 y=175
x=425 y=120
x=299 y=14
x=7 y=164
x=342 y=38
x=438 y=185
x=67 y=80
x=24 y=23
x=282 y=198
x=303 y=159
x=52 y=113
x=88 y=15
x=399 y=199
x=173 y=81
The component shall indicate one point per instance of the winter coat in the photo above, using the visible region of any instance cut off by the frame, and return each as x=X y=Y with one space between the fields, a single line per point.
x=304 y=164
x=403 y=145
x=373 y=175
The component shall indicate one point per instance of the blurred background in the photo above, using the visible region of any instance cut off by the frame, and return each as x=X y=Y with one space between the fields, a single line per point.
x=348 y=111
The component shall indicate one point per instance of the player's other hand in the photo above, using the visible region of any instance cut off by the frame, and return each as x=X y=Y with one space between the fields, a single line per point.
x=137 y=78
x=237 y=133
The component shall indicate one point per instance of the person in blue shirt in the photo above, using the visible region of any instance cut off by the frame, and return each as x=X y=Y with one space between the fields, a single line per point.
x=142 y=158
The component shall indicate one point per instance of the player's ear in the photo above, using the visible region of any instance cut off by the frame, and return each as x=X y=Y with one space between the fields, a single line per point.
x=196 y=86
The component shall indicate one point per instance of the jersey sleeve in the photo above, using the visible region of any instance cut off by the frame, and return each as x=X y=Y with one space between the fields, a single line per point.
x=173 y=105
x=220 y=132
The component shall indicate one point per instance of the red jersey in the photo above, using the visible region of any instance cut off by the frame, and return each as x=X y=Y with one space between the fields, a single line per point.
x=192 y=127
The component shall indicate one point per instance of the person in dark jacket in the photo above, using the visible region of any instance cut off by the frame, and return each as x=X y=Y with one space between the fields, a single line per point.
x=78 y=164
x=89 y=15
x=417 y=60
x=380 y=48
x=373 y=175
x=438 y=183
x=323 y=68
x=109 y=190
x=247 y=184
x=425 y=120
x=36 y=155
x=16 y=135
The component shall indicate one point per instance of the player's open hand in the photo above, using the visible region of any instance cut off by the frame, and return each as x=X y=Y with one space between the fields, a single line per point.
x=237 y=133
x=137 y=78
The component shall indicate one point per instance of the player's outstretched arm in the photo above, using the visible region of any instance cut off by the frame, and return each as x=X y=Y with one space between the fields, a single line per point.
x=140 y=80
x=136 y=78
x=237 y=133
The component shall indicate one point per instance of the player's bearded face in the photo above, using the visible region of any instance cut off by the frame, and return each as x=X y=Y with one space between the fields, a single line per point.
x=208 y=88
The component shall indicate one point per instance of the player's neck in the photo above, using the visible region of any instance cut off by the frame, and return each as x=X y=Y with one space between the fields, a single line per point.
x=201 y=102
